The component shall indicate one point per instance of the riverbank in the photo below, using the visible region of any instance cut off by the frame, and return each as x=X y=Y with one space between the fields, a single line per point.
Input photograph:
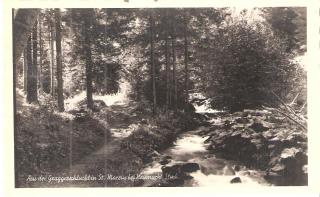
x=116 y=141
x=253 y=147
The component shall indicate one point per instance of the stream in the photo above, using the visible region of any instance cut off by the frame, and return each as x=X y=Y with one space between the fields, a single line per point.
x=190 y=147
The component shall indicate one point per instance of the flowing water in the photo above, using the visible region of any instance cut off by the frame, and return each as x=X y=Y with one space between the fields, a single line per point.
x=190 y=147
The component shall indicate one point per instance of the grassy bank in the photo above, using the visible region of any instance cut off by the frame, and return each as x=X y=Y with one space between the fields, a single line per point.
x=49 y=142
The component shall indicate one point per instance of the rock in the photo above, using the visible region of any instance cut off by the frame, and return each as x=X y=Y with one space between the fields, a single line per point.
x=186 y=176
x=170 y=171
x=190 y=167
x=242 y=120
x=236 y=180
x=177 y=182
x=165 y=160
x=237 y=148
x=287 y=168
x=289 y=152
x=179 y=170
x=278 y=168
x=175 y=175
x=258 y=126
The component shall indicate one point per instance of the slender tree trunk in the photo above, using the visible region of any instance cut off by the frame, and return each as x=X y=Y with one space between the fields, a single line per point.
x=88 y=54
x=153 y=64
x=105 y=66
x=59 y=60
x=31 y=77
x=25 y=67
x=186 y=85
x=35 y=50
x=174 y=77
x=23 y=23
x=52 y=87
x=167 y=63
x=40 y=59
x=32 y=95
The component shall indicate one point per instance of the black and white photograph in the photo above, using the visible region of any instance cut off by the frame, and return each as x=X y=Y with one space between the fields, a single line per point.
x=160 y=97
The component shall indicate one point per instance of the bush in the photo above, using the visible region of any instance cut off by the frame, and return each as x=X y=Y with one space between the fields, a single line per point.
x=248 y=63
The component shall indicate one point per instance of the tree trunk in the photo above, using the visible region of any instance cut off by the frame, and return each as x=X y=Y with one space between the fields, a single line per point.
x=167 y=63
x=186 y=85
x=31 y=77
x=40 y=78
x=25 y=67
x=105 y=71
x=24 y=20
x=32 y=95
x=174 y=77
x=52 y=88
x=153 y=74
x=59 y=60
x=87 y=51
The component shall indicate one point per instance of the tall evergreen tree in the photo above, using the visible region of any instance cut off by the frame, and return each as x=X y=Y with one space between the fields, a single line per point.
x=59 y=60
x=52 y=65
x=32 y=95
x=153 y=69
x=87 y=15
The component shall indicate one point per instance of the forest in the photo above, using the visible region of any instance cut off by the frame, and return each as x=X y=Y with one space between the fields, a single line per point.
x=160 y=97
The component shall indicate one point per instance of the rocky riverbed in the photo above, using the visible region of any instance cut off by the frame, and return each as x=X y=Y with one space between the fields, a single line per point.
x=253 y=147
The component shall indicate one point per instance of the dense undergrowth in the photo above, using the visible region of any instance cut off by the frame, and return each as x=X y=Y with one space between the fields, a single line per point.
x=48 y=143
x=262 y=139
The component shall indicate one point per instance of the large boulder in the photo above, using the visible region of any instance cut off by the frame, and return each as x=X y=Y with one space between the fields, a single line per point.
x=288 y=168
x=190 y=167
x=236 y=180
x=237 y=148
x=175 y=175
x=171 y=171
x=179 y=170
